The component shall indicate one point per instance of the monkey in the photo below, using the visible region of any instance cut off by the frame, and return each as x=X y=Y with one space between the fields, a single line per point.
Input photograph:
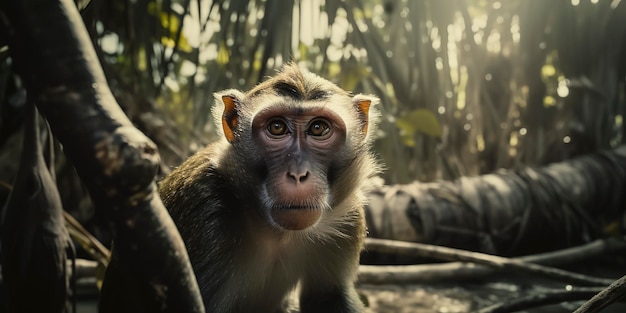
x=278 y=201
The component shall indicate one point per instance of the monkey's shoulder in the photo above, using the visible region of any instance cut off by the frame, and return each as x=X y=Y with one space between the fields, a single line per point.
x=200 y=166
x=196 y=195
x=197 y=182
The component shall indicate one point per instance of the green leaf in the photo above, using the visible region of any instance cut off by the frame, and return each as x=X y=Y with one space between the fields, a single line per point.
x=420 y=120
x=172 y=23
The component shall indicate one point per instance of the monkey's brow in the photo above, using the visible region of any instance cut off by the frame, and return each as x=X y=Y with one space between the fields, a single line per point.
x=288 y=90
x=294 y=92
x=317 y=94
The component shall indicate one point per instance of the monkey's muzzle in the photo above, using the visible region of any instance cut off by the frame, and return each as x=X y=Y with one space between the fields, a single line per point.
x=296 y=217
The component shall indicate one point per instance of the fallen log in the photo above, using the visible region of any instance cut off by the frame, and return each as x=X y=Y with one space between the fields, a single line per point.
x=511 y=212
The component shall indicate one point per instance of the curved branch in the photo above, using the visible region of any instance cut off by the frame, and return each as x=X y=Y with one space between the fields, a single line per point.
x=55 y=59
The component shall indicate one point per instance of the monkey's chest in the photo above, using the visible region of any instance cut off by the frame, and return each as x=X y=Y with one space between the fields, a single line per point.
x=278 y=263
x=264 y=276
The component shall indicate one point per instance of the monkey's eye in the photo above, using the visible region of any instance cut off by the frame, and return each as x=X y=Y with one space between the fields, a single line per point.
x=319 y=128
x=277 y=127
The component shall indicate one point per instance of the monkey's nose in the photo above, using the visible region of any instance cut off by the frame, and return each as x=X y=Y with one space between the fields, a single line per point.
x=299 y=176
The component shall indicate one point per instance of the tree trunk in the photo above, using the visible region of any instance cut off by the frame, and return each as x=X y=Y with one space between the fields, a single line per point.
x=55 y=59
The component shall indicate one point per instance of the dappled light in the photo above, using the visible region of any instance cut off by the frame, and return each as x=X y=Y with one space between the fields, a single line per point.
x=467 y=87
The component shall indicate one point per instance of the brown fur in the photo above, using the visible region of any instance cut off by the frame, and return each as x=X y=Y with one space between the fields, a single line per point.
x=220 y=198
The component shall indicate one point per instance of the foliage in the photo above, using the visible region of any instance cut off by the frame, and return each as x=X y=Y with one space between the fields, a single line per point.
x=467 y=86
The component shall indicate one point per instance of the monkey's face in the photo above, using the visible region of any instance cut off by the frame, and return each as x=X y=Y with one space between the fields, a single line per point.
x=298 y=148
x=303 y=143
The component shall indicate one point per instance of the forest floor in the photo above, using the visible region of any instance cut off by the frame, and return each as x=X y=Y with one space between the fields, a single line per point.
x=464 y=297
x=415 y=298
x=450 y=296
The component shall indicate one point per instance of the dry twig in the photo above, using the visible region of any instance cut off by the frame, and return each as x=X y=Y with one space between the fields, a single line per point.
x=451 y=254
x=610 y=294
x=462 y=270
x=545 y=298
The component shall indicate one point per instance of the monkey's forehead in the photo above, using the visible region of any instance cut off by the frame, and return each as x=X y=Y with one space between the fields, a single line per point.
x=340 y=105
x=297 y=83
x=298 y=90
x=265 y=108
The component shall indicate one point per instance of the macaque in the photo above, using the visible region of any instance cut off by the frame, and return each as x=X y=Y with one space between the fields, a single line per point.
x=278 y=202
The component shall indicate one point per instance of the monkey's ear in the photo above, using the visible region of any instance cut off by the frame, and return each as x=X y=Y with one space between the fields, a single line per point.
x=230 y=116
x=231 y=99
x=363 y=104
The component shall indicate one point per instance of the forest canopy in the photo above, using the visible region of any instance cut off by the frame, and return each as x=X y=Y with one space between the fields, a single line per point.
x=467 y=87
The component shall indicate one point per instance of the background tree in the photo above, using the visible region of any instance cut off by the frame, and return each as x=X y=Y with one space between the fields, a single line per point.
x=468 y=86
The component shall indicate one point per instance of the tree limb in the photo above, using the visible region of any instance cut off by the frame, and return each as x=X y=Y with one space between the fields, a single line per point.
x=54 y=57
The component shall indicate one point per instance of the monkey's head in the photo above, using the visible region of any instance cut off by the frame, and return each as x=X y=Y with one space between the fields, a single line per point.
x=304 y=141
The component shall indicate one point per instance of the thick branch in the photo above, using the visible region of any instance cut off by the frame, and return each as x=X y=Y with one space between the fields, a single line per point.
x=55 y=58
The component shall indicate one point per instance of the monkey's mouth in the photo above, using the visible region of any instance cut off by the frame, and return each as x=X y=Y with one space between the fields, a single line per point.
x=298 y=207
x=295 y=217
